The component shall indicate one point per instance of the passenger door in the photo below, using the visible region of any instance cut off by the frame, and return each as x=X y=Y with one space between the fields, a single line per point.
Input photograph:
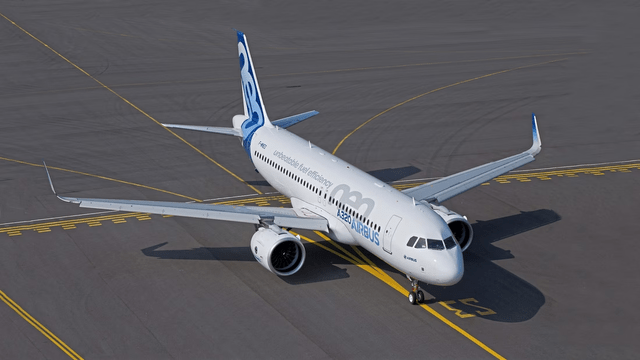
x=389 y=230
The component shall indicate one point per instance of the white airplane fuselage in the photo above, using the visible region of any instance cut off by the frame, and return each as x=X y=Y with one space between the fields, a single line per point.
x=361 y=210
x=418 y=238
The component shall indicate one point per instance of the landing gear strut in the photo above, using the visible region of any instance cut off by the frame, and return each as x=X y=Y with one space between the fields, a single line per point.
x=416 y=296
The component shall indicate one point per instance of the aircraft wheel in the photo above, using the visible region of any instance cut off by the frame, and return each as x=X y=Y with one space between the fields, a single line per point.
x=412 y=298
x=420 y=297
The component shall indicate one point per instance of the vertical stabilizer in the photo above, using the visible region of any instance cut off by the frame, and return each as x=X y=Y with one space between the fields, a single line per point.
x=254 y=106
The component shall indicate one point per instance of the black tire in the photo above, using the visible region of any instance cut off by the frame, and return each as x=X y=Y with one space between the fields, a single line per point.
x=420 y=297
x=412 y=298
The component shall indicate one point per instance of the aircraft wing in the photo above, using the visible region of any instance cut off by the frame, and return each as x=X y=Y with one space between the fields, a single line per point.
x=445 y=188
x=283 y=217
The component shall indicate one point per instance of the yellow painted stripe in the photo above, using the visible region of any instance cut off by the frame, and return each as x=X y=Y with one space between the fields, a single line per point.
x=120 y=217
x=33 y=322
x=521 y=177
x=100 y=177
x=438 y=89
x=430 y=64
x=131 y=104
x=339 y=247
x=383 y=276
x=546 y=175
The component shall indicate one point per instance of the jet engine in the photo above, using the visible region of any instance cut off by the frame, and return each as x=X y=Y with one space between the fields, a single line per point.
x=458 y=224
x=278 y=250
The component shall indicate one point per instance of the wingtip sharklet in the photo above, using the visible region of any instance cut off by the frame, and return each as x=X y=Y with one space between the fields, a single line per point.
x=51 y=184
x=49 y=178
x=537 y=143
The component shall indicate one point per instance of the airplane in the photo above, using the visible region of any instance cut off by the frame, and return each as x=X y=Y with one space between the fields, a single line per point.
x=410 y=229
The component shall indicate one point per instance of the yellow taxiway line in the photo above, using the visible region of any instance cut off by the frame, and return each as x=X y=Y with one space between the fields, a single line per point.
x=438 y=89
x=31 y=320
x=362 y=261
x=131 y=104
x=281 y=200
x=368 y=266
x=101 y=177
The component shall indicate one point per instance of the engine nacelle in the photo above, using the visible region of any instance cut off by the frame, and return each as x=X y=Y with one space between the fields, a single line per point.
x=277 y=250
x=458 y=224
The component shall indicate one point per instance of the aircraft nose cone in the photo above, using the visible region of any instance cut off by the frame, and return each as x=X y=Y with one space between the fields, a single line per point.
x=451 y=273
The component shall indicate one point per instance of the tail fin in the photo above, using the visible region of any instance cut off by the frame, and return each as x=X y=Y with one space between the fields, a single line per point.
x=256 y=114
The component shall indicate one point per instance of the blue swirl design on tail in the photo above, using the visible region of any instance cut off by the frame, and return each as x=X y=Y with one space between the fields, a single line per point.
x=251 y=92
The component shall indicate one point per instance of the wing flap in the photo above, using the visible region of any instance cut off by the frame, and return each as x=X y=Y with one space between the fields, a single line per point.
x=246 y=214
x=284 y=217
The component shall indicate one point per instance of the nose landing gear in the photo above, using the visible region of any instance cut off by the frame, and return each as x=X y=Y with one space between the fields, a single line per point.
x=416 y=296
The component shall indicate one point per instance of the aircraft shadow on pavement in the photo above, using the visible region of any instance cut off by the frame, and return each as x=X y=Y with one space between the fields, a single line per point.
x=394 y=174
x=317 y=267
x=485 y=287
x=489 y=285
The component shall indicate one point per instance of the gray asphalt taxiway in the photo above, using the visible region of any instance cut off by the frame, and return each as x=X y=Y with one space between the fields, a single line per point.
x=440 y=87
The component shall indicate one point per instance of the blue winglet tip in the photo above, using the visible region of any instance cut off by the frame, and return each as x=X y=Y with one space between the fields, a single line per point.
x=49 y=178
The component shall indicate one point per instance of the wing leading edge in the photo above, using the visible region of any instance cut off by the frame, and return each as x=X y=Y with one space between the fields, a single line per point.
x=445 y=188
x=283 y=217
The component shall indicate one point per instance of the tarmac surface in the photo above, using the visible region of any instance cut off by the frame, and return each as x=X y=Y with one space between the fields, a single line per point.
x=552 y=272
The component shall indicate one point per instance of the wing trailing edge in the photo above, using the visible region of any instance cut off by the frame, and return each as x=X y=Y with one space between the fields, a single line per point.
x=447 y=187
x=283 y=217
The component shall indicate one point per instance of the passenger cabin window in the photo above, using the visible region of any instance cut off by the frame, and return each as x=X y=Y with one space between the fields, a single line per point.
x=412 y=241
x=435 y=244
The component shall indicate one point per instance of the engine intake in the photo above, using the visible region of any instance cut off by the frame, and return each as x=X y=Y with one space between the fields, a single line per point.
x=458 y=224
x=278 y=250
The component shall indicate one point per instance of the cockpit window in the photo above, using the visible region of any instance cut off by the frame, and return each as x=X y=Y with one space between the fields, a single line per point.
x=421 y=244
x=449 y=242
x=412 y=241
x=435 y=244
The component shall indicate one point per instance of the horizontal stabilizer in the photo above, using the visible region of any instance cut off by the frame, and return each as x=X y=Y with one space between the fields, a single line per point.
x=292 y=120
x=211 y=129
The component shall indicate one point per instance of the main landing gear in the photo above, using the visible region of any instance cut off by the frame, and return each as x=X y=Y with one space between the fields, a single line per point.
x=416 y=296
